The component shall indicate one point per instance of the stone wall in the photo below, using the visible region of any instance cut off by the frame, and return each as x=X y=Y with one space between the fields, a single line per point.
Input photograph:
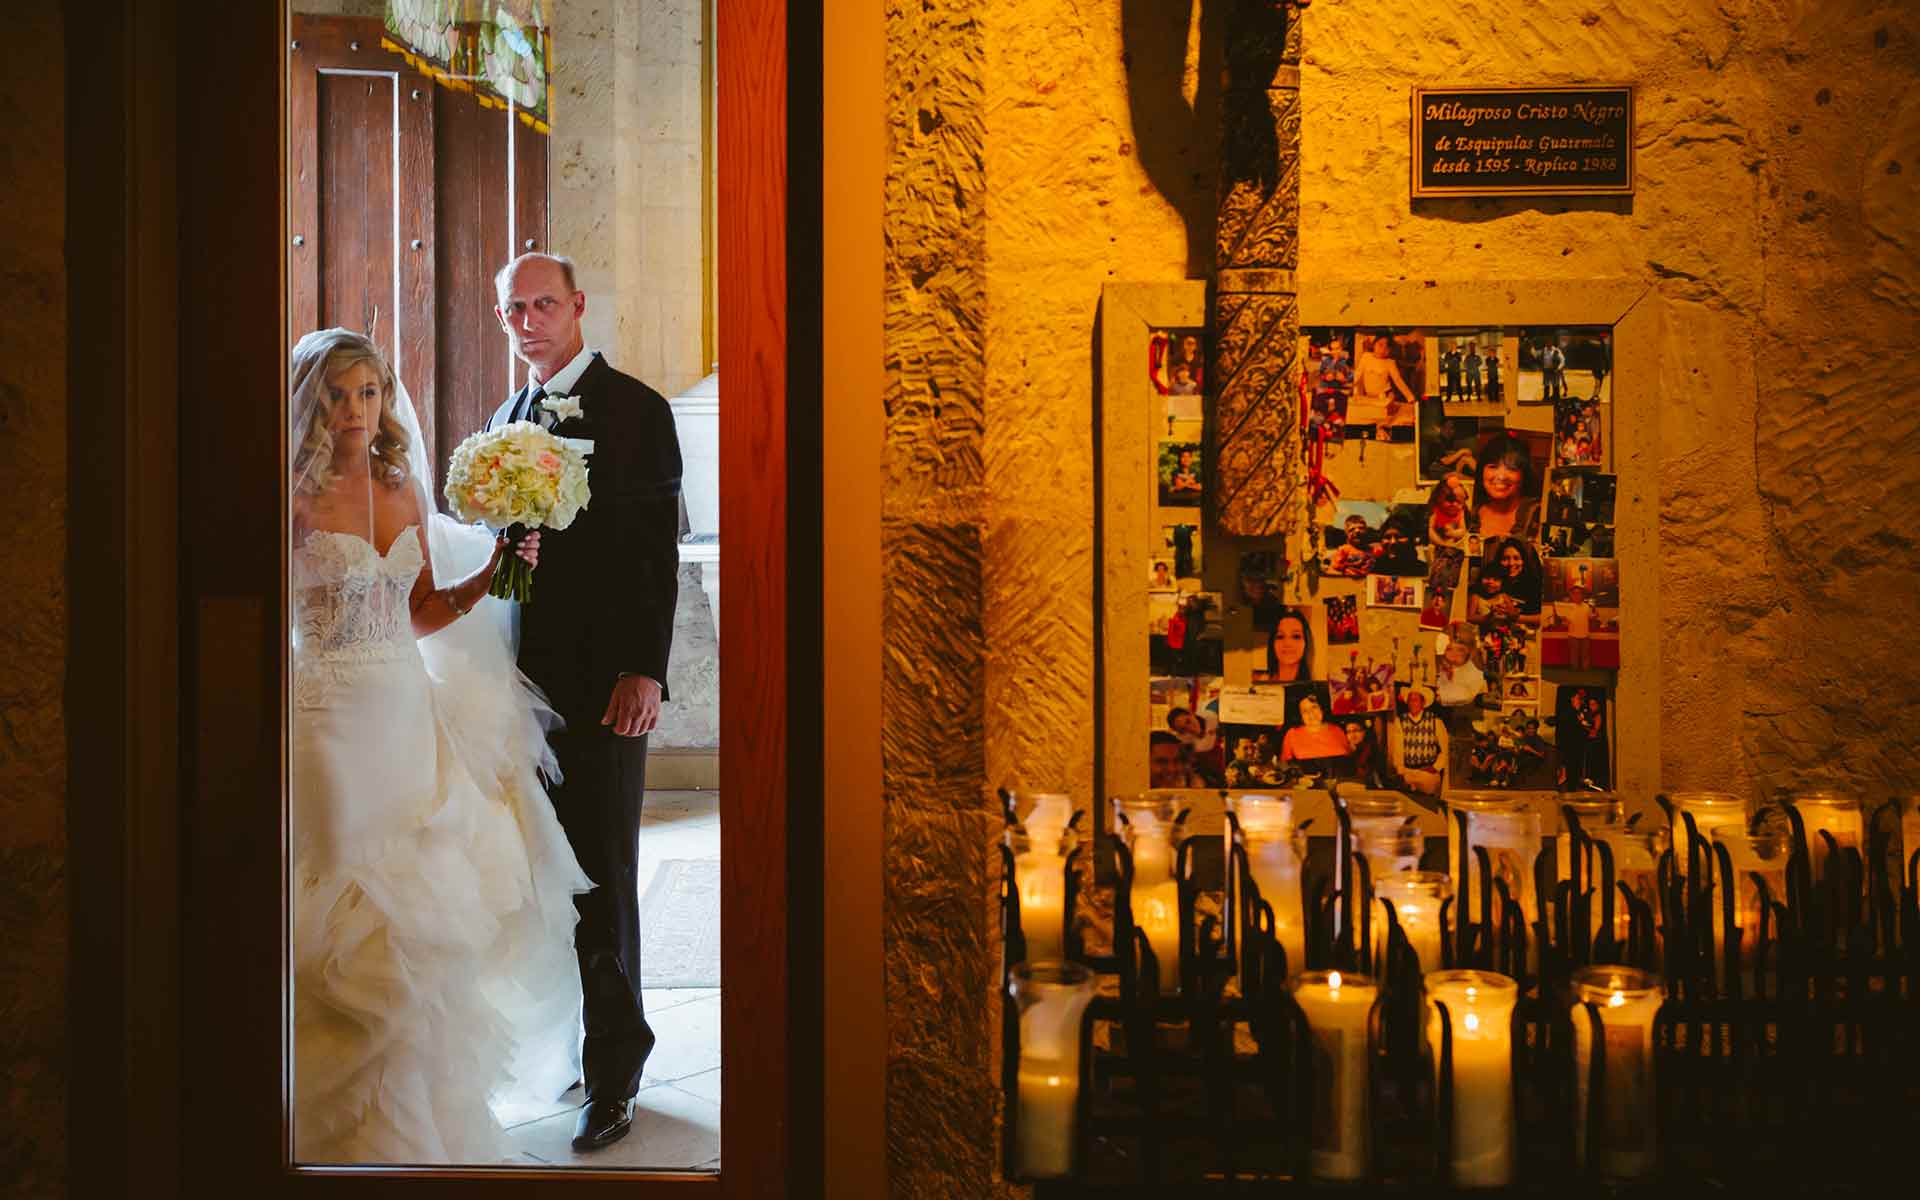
x=625 y=173
x=1040 y=148
x=1776 y=225
x=33 y=635
x=1013 y=191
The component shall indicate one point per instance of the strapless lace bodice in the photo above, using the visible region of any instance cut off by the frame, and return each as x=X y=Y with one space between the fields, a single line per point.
x=350 y=601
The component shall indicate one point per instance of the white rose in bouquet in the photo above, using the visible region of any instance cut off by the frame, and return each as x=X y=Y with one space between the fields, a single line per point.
x=517 y=475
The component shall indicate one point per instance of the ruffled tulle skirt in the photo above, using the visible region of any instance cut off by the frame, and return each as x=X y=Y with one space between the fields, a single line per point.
x=435 y=989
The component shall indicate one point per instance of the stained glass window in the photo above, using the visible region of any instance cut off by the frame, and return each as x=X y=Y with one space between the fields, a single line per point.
x=497 y=49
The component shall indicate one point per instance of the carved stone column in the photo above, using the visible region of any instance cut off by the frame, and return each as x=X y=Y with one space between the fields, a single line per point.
x=1256 y=320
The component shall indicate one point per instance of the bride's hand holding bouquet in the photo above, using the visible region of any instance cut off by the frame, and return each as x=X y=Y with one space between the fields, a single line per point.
x=518 y=475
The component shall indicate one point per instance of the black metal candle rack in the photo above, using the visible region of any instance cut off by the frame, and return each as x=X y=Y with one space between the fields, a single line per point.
x=1796 y=1064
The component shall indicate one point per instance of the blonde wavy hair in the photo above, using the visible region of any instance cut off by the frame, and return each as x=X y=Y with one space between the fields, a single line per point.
x=337 y=351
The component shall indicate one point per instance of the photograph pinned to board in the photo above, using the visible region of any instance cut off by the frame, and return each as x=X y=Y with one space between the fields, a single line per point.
x=1349 y=537
x=1389 y=377
x=1366 y=758
x=1179 y=544
x=1187 y=639
x=1469 y=371
x=1162 y=604
x=1446 y=512
x=1469 y=376
x=1436 y=612
x=1361 y=680
x=1187 y=709
x=1251 y=721
x=1176 y=365
x=1509 y=649
x=1329 y=372
x=1506 y=583
x=1508 y=747
x=1460 y=675
x=1583 y=731
x=1343 y=619
x=1579 y=515
x=1260 y=575
x=1509 y=475
x=1396 y=591
x=1563 y=363
x=1581 y=630
x=1446 y=568
x=1518 y=690
x=1580 y=433
x=1417 y=741
x=1448 y=441
x=1181 y=473
x=1400 y=547
x=1308 y=737
x=1287 y=649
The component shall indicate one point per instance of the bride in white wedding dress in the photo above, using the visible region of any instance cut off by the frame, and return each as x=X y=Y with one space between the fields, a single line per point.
x=435 y=987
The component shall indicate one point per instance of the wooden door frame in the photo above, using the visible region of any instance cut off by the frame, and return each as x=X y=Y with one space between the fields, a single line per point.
x=177 y=680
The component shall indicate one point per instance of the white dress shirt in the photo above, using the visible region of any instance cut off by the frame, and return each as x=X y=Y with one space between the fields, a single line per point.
x=563 y=381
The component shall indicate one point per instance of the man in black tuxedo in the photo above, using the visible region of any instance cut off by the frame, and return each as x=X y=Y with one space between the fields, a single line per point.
x=595 y=638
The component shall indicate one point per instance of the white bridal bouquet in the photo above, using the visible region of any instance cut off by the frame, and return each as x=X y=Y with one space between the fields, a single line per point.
x=517 y=475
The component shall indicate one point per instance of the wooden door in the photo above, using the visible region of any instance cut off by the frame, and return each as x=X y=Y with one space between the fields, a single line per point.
x=177 y=736
x=406 y=196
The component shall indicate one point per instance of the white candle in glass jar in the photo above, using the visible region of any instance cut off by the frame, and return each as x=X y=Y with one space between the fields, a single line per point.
x=1504 y=824
x=1156 y=910
x=1509 y=829
x=1416 y=897
x=1274 y=862
x=1381 y=836
x=1052 y=997
x=1765 y=854
x=1636 y=864
x=1909 y=839
x=1627 y=1000
x=1043 y=1134
x=1597 y=812
x=1839 y=816
x=1040 y=875
x=1480 y=1011
x=1710 y=810
x=1152 y=857
x=1337 y=1010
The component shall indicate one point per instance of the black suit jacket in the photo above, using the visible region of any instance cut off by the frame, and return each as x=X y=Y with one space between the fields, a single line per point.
x=604 y=592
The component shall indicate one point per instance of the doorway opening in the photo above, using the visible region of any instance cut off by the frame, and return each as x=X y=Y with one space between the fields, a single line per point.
x=426 y=152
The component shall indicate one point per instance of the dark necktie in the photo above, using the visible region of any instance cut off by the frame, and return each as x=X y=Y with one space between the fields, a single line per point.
x=537 y=409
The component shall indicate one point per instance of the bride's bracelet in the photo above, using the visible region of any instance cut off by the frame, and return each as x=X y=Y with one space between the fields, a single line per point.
x=453 y=602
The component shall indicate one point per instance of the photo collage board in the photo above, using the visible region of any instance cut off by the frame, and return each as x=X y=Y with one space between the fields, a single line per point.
x=1450 y=619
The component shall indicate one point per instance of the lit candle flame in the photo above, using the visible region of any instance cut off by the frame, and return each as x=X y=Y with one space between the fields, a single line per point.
x=1472 y=1022
x=1616 y=1000
x=1333 y=980
x=1053 y=1081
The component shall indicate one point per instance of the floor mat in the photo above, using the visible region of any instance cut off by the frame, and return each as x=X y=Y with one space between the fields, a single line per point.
x=680 y=925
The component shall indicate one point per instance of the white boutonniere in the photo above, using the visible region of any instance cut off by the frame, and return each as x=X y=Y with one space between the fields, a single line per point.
x=563 y=408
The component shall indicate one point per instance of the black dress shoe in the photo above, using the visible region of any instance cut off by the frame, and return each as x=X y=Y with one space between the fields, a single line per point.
x=602 y=1123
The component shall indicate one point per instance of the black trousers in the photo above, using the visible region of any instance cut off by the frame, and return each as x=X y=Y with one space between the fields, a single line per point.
x=598 y=803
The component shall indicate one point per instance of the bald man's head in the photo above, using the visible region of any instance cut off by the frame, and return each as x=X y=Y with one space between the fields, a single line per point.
x=540 y=309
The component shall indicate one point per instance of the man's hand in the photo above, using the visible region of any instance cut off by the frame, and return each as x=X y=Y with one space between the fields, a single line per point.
x=634 y=708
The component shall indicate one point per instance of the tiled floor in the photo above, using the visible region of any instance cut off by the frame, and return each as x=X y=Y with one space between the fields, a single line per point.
x=676 y=1120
